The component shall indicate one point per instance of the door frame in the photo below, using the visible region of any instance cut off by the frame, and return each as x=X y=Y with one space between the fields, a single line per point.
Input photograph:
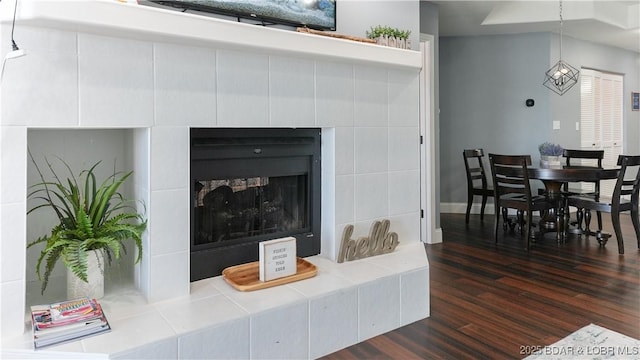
x=429 y=232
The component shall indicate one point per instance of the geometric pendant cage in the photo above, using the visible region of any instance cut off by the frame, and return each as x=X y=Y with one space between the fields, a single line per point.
x=562 y=76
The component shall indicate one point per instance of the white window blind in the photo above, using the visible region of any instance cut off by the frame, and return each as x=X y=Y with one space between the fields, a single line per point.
x=601 y=118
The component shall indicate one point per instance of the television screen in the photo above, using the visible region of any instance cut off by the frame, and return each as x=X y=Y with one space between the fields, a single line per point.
x=314 y=14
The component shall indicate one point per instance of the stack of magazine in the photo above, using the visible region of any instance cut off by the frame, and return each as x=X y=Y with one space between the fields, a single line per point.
x=66 y=321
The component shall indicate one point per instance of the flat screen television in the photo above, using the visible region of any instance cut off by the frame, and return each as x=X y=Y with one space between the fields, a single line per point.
x=314 y=14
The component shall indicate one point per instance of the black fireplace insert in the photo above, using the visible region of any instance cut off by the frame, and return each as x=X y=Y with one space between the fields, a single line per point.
x=251 y=185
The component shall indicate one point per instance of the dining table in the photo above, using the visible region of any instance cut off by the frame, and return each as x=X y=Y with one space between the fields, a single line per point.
x=553 y=179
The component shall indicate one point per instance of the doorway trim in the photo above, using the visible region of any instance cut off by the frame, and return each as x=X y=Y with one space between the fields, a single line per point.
x=429 y=232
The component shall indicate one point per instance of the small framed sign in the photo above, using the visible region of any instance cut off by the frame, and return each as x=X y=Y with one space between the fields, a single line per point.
x=635 y=101
x=278 y=258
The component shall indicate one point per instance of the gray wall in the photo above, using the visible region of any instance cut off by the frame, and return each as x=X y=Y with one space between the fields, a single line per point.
x=484 y=82
x=566 y=108
x=487 y=81
x=356 y=17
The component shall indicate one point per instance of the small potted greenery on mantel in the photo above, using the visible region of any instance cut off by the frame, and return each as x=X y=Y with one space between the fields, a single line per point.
x=388 y=36
x=93 y=223
x=550 y=155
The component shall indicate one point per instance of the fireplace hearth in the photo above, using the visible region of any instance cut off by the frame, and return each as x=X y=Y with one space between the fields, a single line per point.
x=251 y=185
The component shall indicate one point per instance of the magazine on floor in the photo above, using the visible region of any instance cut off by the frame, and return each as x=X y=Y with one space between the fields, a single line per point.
x=65 y=321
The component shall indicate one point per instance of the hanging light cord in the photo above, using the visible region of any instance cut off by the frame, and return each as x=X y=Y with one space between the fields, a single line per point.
x=560 y=30
x=13 y=26
x=15 y=52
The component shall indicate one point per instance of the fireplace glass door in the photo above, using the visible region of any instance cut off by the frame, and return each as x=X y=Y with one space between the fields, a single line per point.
x=252 y=185
x=239 y=208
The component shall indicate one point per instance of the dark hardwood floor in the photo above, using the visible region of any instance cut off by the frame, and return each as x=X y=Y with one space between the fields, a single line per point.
x=489 y=301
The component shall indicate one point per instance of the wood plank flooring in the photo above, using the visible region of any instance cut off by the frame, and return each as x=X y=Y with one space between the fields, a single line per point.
x=493 y=300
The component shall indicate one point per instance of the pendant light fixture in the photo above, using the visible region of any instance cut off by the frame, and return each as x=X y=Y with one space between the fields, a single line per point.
x=562 y=76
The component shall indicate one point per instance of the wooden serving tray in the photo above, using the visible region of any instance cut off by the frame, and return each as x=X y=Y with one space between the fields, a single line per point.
x=246 y=277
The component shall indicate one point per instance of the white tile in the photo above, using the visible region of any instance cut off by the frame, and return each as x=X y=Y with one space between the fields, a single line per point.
x=345 y=208
x=379 y=314
x=125 y=302
x=13 y=242
x=12 y=308
x=414 y=296
x=359 y=271
x=345 y=148
x=338 y=310
x=334 y=94
x=265 y=299
x=323 y=283
x=169 y=276
x=328 y=209
x=243 y=89
x=407 y=256
x=328 y=246
x=222 y=285
x=140 y=159
x=169 y=221
x=39 y=39
x=202 y=289
x=404 y=148
x=407 y=226
x=404 y=97
x=13 y=164
x=281 y=333
x=129 y=333
x=164 y=349
x=371 y=196
x=115 y=82
x=323 y=263
x=291 y=92
x=371 y=96
x=170 y=157
x=339 y=233
x=186 y=315
x=404 y=192
x=41 y=89
x=227 y=341
x=185 y=80
x=371 y=154
x=142 y=272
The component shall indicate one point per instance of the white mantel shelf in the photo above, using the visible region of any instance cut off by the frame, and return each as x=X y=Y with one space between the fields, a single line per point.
x=133 y=21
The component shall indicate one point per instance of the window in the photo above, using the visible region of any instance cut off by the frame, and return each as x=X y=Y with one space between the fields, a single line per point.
x=601 y=118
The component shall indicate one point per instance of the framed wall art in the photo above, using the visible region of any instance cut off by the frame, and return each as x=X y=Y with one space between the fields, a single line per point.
x=635 y=101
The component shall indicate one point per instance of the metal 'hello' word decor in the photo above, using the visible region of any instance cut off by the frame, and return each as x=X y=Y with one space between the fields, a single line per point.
x=380 y=241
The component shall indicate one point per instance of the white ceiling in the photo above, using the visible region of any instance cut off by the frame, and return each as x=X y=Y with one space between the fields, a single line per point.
x=611 y=22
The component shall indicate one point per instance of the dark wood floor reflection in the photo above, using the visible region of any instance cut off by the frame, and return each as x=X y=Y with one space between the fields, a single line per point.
x=490 y=301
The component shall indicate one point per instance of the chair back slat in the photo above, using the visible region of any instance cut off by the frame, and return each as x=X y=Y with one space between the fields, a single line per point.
x=585 y=158
x=510 y=174
x=596 y=155
x=627 y=184
x=476 y=174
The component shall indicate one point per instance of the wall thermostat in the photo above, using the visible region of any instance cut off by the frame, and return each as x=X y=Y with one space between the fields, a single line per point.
x=529 y=102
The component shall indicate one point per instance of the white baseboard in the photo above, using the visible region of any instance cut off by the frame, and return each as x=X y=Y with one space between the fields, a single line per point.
x=437 y=236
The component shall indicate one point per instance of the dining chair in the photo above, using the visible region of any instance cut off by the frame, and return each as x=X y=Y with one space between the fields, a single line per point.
x=512 y=189
x=477 y=184
x=585 y=158
x=624 y=198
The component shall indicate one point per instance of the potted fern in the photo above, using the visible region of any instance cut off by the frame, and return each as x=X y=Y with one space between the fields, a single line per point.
x=388 y=36
x=93 y=223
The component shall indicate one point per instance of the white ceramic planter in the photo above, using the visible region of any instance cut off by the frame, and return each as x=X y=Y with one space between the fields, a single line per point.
x=550 y=162
x=94 y=288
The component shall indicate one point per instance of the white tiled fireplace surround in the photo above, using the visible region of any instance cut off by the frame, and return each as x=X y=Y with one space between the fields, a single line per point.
x=87 y=69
